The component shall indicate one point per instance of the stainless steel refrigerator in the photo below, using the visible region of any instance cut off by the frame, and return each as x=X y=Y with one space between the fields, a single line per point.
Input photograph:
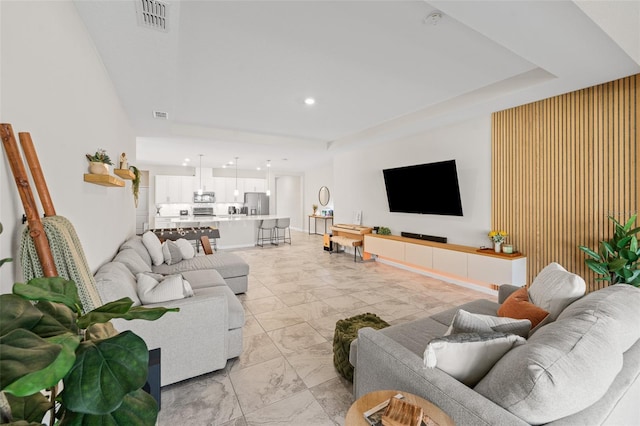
x=256 y=203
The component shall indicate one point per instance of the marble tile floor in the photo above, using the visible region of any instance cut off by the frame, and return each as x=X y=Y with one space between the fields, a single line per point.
x=285 y=375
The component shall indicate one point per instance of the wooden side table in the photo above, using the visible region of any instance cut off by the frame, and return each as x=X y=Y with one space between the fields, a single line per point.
x=366 y=402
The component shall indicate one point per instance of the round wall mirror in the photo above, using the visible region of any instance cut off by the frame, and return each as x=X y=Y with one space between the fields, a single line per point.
x=323 y=196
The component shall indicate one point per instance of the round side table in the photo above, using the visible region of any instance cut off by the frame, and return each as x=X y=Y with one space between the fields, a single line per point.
x=366 y=402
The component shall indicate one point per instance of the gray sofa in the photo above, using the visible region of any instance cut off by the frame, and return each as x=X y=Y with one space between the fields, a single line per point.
x=582 y=368
x=208 y=329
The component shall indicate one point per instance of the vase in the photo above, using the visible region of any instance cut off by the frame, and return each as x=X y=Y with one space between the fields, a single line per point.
x=98 y=168
x=497 y=247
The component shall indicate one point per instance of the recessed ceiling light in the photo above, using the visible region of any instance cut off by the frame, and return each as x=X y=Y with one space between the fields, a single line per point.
x=433 y=18
x=184 y=164
x=309 y=101
x=224 y=166
x=186 y=160
x=258 y=168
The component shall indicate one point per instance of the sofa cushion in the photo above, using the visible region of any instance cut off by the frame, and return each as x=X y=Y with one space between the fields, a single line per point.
x=153 y=290
x=466 y=322
x=467 y=357
x=204 y=278
x=479 y=306
x=154 y=247
x=171 y=252
x=114 y=281
x=227 y=264
x=234 y=307
x=132 y=260
x=554 y=288
x=518 y=306
x=186 y=248
x=569 y=364
x=136 y=243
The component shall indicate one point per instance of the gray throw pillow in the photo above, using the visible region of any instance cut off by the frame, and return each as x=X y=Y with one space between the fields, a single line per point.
x=171 y=252
x=467 y=322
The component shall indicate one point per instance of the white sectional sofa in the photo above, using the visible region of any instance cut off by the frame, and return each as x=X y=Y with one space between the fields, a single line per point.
x=208 y=329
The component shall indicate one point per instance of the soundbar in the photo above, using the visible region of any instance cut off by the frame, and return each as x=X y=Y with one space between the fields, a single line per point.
x=424 y=237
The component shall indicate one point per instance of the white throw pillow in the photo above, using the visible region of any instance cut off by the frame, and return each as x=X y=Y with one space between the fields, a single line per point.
x=171 y=252
x=186 y=248
x=467 y=322
x=154 y=247
x=468 y=357
x=171 y=287
x=554 y=288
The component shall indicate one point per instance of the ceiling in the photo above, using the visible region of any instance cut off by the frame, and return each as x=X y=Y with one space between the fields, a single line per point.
x=233 y=75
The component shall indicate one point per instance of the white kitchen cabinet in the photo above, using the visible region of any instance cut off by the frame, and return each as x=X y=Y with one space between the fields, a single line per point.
x=254 y=185
x=219 y=187
x=230 y=187
x=187 y=188
x=162 y=189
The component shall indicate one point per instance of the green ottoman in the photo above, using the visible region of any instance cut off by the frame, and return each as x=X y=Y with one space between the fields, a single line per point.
x=346 y=332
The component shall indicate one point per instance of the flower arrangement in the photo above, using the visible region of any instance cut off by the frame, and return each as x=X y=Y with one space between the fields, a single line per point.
x=498 y=236
x=100 y=156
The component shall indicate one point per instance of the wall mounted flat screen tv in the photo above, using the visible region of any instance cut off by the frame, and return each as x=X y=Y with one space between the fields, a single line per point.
x=430 y=188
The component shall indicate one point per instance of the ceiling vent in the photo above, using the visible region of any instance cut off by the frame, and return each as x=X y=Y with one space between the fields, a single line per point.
x=161 y=114
x=153 y=14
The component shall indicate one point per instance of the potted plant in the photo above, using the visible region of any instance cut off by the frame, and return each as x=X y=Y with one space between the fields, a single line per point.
x=315 y=208
x=135 y=184
x=99 y=162
x=617 y=259
x=383 y=230
x=51 y=340
x=498 y=237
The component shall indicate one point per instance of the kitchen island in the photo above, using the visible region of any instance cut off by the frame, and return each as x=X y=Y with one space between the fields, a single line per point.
x=236 y=230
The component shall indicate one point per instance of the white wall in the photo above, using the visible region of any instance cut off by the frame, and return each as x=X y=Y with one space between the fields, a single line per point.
x=313 y=180
x=360 y=183
x=54 y=85
x=288 y=199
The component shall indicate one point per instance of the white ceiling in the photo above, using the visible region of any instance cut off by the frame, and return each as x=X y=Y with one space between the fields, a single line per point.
x=232 y=75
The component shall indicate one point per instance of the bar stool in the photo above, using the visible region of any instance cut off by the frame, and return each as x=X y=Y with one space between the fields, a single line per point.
x=266 y=225
x=283 y=223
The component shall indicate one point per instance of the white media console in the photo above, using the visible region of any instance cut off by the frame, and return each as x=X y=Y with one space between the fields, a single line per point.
x=482 y=270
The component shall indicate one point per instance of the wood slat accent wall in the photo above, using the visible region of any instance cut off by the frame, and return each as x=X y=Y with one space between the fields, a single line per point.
x=560 y=167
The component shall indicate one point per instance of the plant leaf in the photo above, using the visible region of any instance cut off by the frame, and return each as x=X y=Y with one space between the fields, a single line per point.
x=590 y=252
x=105 y=371
x=122 y=308
x=598 y=268
x=63 y=316
x=3 y=261
x=17 y=313
x=629 y=255
x=616 y=264
x=634 y=231
x=137 y=408
x=630 y=222
x=30 y=408
x=54 y=289
x=100 y=331
x=50 y=375
x=608 y=248
x=149 y=314
x=22 y=353
x=623 y=242
x=633 y=245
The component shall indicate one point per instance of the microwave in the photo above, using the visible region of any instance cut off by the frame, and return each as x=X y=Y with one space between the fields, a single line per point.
x=205 y=197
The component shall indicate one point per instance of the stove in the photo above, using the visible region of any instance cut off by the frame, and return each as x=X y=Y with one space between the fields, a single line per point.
x=203 y=211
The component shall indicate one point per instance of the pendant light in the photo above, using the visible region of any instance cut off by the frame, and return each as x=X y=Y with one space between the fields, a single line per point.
x=268 y=175
x=200 y=187
x=235 y=191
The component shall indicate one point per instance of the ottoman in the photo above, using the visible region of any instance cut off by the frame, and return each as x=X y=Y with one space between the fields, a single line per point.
x=346 y=331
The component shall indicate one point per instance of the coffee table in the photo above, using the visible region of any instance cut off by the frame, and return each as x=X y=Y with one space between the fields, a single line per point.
x=365 y=402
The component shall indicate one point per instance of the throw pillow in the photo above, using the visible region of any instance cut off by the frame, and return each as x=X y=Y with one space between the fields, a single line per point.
x=466 y=322
x=186 y=248
x=154 y=247
x=517 y=306
x=554 y=288
x=468 y=357
x=171 y=287
x=171 y=252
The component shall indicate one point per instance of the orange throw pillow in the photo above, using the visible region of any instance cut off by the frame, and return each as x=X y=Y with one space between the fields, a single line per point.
x=517 y=306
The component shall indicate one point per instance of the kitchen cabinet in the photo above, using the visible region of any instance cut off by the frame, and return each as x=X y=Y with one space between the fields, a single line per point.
x=254 y=185
x=187 y=188
x=174 y=189
x=180 y=189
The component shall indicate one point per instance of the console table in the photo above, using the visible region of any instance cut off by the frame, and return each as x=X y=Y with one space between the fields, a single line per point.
x=485 y=268
x=315 y=223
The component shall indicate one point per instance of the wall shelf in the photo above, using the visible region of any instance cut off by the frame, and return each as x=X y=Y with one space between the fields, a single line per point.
x=124 y=173
x=104 y=180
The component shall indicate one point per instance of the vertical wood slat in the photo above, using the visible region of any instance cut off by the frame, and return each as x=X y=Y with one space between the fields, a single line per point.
x=561 y=166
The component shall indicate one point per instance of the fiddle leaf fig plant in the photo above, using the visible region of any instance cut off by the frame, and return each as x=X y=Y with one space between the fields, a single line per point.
x=46 y=339
x=617 y=259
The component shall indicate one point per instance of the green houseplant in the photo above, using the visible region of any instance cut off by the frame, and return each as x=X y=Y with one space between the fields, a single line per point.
x=99 y=162
x=49 y=341
x=135 y=184
x=383 y=230
x=617 y=259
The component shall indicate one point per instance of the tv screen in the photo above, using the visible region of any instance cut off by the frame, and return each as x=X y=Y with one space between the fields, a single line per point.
x=430 y=188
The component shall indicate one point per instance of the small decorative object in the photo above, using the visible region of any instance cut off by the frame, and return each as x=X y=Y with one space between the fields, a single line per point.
x=617 y=259
x=99 y=162
x=123 y=161
x=383 y=230
x=498 y=238
x=315 y=209
x=507 y=248
x=402 y=413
